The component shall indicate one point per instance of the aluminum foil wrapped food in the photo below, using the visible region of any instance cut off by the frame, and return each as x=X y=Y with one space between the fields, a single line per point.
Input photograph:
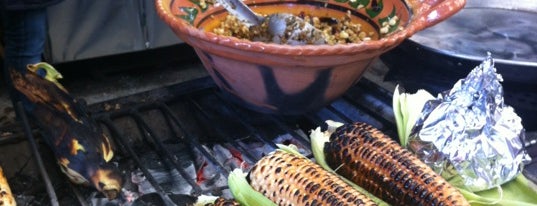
x=469 y=135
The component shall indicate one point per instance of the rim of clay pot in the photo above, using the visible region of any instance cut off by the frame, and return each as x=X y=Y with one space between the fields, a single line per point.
x=424 y=13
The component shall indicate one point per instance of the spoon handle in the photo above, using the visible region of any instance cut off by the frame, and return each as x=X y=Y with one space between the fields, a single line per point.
x=241 y=11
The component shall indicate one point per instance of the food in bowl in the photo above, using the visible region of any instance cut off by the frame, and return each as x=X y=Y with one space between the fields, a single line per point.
x=295 y=79
x=340 y=30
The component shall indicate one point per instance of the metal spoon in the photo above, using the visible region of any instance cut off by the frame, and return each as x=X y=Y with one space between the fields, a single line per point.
x=284 y=28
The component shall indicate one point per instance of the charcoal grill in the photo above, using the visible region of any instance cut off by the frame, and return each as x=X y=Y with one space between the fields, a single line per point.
x=166 y=136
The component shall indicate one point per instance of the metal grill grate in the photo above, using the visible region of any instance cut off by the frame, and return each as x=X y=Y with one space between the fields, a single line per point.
x=170 y=129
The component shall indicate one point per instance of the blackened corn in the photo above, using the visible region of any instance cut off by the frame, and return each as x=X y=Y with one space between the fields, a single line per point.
x=289 y=179
x=369 y=158
x=223 y=202
x=82 y=149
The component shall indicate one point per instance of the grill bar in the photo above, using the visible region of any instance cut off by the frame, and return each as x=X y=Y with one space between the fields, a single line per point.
x=165 y=152
x=191 y=140
x=35 y=153
x=241 y=118
x=374 y=99
x=287 y=129
x=124 y=142
x=215 y=124
x=78 y=195
x=132 y=153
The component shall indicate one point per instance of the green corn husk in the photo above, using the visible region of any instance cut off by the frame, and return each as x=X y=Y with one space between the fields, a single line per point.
x=517 y=192
x=407 y=109
x=318 y=139
x=290 y=149
x=243 y=192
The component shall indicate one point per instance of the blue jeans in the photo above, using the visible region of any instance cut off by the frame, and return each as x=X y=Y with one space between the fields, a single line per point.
x=25 y=32
x=24 y=37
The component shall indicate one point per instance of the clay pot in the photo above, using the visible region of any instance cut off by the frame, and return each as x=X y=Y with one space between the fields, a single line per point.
x=290 y=79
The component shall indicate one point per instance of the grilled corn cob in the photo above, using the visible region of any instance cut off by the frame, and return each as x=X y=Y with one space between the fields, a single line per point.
x=6 y=197
x=372 y=160
x=82 y=149
x=289 y=179
x=223 y=202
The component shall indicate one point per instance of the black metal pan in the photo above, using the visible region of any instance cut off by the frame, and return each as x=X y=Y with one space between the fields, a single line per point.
x=507 y=29
x=435 y=58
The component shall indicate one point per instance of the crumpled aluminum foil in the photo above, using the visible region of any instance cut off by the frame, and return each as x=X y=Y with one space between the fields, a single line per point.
x=468 y=135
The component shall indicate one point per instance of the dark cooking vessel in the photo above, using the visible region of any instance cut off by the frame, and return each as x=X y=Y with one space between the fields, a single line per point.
x=435 y=58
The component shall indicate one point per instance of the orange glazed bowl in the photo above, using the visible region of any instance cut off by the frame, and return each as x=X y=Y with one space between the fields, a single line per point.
x=291 y=79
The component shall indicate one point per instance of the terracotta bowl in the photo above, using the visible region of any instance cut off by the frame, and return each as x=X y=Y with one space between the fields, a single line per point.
x=289 y=79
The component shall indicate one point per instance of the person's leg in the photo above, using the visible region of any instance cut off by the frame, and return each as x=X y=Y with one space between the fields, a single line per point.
x=24 y=41
x=24 y=37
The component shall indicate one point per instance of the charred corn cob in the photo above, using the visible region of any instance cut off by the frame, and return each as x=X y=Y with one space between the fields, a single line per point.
x=82 y=149
x=223 y=202
x=288 y=179
x=6 y=197
x=372 y=160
